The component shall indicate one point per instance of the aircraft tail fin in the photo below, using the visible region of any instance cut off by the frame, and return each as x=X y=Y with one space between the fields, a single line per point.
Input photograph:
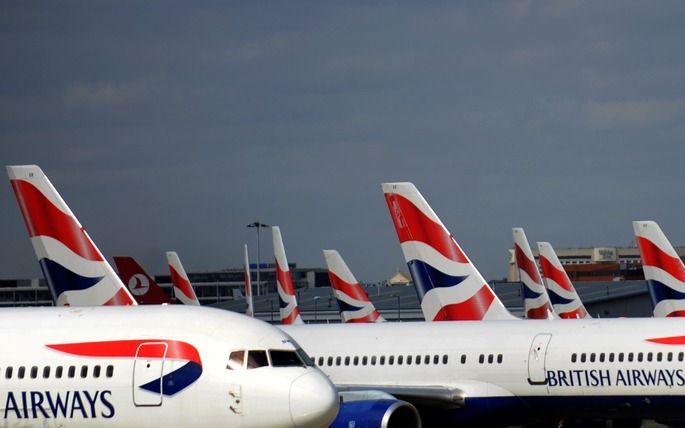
x=290 y=311
x=183 y=289
x=536 y=302
x=565 y=299
x=141 y=285
x=248 y=286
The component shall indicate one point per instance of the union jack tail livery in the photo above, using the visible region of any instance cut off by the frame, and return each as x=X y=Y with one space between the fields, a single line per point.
x=353 y=302
x=248 y=287
x=448 y=284
x=141 y=285
x=183 y=290
x=290 y=311
x=565 y=300
x=664 y=270
x=74 y=268
x=535 y=299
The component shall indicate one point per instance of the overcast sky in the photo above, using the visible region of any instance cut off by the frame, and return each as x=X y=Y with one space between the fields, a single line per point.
x=172 y=125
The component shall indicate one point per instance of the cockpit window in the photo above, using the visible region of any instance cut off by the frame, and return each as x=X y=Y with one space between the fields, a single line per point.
x=304 y=357
x=235 y=360
x=256 y=359
x=285 y=359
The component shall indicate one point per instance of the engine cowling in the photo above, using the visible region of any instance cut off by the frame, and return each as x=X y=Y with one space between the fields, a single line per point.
x=376 y=413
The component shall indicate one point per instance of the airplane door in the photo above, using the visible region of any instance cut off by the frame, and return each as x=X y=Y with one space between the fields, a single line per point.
x=147 y=374
x=536 y=359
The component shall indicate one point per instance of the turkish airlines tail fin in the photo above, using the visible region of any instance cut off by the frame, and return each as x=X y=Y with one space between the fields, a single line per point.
x=141 y=285
x=248 y=287
x=565 y=299
x=448 y=284
x=74 y=268
x=183 y=290
x=290 y=311
x=536 y=302
x=353 y=301
x=664 y=270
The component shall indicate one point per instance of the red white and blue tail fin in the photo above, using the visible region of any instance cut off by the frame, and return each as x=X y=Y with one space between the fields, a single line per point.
x=536 y=302
x=141 y=285
x=75 y=269
x=290 y=311
x=448 y=284
x=664 y=270
x=565 y=300
x=183 y=290
x=248 y=287
x=353 y=302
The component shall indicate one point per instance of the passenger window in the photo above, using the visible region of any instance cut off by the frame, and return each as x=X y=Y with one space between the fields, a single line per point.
x=499 y=358
x=347 y=361
x=630 y=357
x=58 y=372
x=491 y=358
x=96 y=372
x=427 y=359
x=329 y=362
x=8 y=373
x=34 y=372
x=110 y=371
x=592 y=357
x=257 y=359
x=400 y=359
x=649 y=356
x=408 y=360
x=680 y=356
x=365 y=360
x=382 y=360
x=436 y=359
x=620 y=357
x=338 y=360
x=639 y=356
x=417 y=360
x=84 y=371
x=356 y=361
x=391 y=360
x=669 y=356
x=574 y=357
x=46 y=372
x=71 y=372
x=21 y=372
x=659 y=355
x=463 y=358
x=582 y=357
x=481 y=358
x=601 y=357
x=320 y=361
x=235 y=360
x=611 y=357
x=444 y=359
x=373 y=360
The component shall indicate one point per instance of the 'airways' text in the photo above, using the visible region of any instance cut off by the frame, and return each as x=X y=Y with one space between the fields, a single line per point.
x=623 y=377
x=53 y=405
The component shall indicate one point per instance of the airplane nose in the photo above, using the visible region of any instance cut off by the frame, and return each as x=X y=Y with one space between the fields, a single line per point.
x=313 y=401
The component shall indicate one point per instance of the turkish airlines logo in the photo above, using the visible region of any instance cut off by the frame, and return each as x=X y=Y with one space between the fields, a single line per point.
x=138 y=284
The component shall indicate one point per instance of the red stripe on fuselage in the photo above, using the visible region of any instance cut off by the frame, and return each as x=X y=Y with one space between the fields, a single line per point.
x=128 y=349
x=412 y=225
x=43 y=218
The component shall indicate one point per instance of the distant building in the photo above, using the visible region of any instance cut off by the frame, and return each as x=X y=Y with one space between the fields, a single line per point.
x=399 y=278
x=595 y=264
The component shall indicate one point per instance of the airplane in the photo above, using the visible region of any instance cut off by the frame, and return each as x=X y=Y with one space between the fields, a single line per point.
x=141 y=285
x=290 y=311
x=353 y=302
x=248 y=287
x=663 y=268
x=565 y=299
x=150 y=366
x=448 y=285
x=76 y=272
x=183 y=290
x=500 y=372
x=536 y=302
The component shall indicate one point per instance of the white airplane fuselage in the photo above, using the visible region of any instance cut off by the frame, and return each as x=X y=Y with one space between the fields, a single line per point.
x=608 y=367
x=151 y=366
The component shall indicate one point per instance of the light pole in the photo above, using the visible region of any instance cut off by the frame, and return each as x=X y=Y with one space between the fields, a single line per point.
x=316 y=303
x=257 y=225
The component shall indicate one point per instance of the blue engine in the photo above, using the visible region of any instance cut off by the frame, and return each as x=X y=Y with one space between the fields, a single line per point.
x=377 y=413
